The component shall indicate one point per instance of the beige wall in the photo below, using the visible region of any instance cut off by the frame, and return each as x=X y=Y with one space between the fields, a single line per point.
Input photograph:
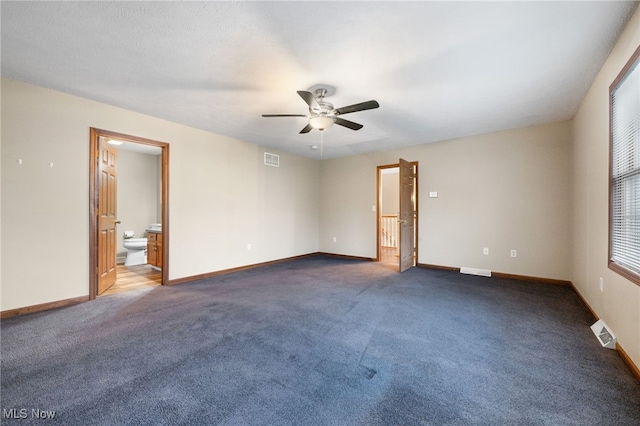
x=619 y=303
x=221 y=196
x=347 y=195
x=507 y=190
x=139 y=196
x=390 y=193
x=540 y=190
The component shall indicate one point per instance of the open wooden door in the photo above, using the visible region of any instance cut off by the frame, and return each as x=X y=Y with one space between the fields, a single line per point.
x=103 y=209
x=107 y=211
x=406 y=216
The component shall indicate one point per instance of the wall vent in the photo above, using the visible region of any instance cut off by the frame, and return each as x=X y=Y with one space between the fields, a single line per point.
x=604 y=335
x=271 y=159
x=474 y=271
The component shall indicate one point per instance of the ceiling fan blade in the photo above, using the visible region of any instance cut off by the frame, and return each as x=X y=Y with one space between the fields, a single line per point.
x=284 y=115
x=309 y=99
x=306 y=129
x=357 y=107
x=347 y=123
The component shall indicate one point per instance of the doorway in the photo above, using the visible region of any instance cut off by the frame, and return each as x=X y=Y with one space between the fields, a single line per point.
x=103 y=223
x=397 y=220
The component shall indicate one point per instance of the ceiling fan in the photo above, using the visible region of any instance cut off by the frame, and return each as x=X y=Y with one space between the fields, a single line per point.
x=322 y=115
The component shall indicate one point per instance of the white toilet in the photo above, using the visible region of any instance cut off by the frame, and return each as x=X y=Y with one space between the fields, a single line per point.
x=136 y=249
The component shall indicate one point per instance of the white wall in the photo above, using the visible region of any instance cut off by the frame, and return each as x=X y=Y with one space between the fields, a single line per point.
x=139 y=196
x=619 y=303
x=506 y=190
x=221 y=196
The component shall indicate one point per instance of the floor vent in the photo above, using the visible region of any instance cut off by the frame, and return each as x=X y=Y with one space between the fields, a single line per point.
x=271 y=159
x=604 y=335
x=474 y=271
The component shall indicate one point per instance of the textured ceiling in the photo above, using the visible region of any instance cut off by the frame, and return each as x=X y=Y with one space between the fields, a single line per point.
x=439 y=70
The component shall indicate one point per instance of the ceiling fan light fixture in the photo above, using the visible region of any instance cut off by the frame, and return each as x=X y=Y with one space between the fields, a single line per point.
x=322 y=115
x=321 y=122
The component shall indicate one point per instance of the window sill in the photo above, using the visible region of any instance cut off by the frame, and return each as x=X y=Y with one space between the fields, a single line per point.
x=626 y=273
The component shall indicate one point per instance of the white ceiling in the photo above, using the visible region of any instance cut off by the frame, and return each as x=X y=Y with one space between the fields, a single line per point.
x=439 y=70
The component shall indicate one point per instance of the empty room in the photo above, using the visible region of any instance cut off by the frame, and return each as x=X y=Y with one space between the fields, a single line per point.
x=320 y=213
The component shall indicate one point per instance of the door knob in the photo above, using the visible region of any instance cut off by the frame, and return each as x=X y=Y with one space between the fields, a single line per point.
x=403 y=221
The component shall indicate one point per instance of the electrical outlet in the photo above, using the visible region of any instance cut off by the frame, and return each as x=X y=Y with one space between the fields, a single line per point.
x=514 y=253
x=601 y=284
x=249 y=246
x=335 y=240
x=485 y=250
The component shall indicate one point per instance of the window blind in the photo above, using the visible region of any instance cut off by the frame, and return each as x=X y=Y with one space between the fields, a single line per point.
x=625 y=170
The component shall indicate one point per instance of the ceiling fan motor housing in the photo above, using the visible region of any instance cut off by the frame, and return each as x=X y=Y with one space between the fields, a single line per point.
x=324 y=108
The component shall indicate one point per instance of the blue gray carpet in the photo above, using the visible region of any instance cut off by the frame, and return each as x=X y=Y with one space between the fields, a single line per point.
x=318 y=341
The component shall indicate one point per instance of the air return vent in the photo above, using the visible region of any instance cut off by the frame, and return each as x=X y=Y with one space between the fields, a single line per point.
x=475 y=271
x=604 y=335
x=271 y=159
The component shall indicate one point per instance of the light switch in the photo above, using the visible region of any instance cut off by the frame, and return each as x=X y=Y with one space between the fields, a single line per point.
x=433 y=194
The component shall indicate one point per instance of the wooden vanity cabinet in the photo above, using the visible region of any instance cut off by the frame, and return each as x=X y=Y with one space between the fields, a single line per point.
x=154 y=249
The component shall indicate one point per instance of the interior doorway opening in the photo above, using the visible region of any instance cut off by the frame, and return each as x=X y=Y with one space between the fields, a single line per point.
x=389 y=199
x=397 y=220
x=107 y=234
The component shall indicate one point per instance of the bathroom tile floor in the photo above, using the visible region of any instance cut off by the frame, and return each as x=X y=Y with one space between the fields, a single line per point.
x=133 y=278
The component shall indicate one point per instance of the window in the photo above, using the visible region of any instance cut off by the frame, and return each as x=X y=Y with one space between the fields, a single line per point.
x=624 y=187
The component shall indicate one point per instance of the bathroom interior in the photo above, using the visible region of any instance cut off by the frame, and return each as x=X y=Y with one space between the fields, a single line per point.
x=139 y=210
